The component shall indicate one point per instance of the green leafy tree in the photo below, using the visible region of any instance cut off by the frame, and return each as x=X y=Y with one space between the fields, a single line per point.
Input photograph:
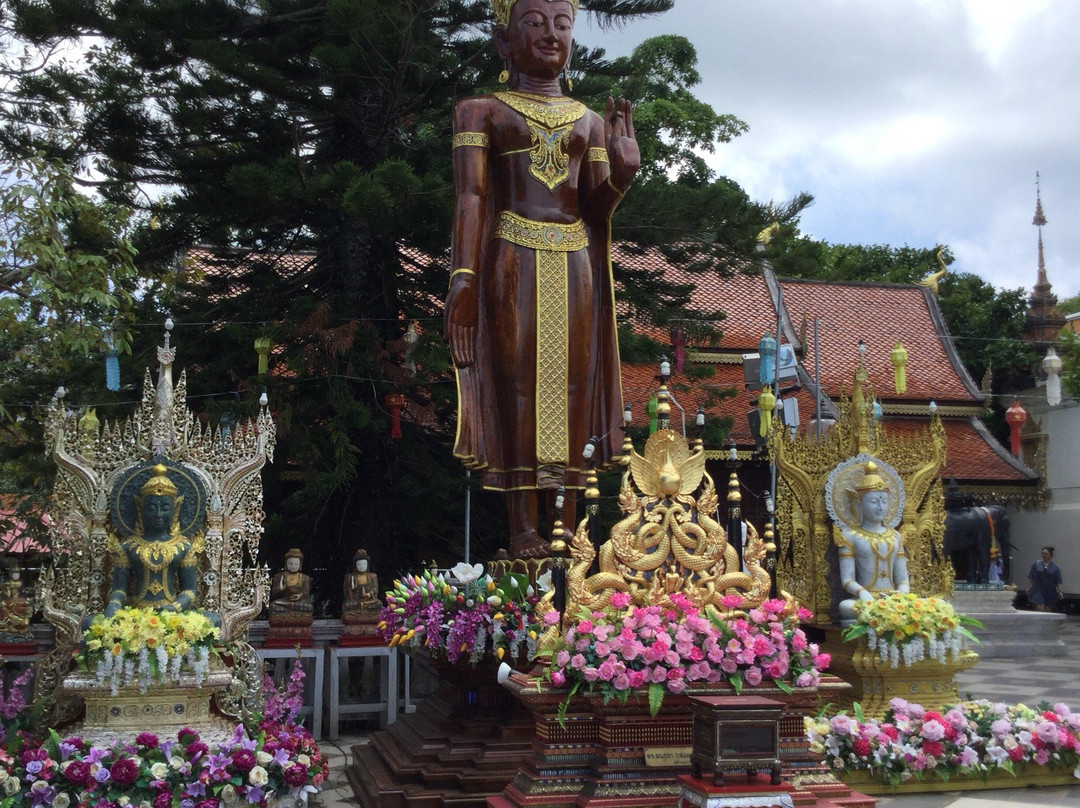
x=67 y=271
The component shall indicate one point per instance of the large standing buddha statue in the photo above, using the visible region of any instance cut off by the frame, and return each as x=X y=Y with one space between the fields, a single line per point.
x=530 y=311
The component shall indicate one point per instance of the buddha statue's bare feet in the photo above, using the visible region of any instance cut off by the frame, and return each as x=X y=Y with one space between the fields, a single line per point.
x=529 y=545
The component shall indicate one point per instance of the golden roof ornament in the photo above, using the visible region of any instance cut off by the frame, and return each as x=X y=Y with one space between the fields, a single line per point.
x=502 y=9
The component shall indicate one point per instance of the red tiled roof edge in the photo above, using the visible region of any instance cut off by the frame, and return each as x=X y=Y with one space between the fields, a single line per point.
x=1000 y=450
x=772 y=283
x=947 y=343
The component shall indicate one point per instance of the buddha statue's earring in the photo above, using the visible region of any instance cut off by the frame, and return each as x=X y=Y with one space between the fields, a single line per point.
x=504 y=76
x=566 y=72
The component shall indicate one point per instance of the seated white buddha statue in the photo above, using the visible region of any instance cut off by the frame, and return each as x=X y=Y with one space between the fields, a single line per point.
x=873 y=561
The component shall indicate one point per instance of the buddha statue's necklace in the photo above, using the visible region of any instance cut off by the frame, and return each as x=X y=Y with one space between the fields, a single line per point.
x=156 y=555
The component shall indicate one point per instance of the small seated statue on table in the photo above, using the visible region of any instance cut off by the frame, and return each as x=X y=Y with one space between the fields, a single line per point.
x=157 y=566
x=873 y=561
x=290 y=593
x=14 y=611
x=291 y=609
x=360 y=610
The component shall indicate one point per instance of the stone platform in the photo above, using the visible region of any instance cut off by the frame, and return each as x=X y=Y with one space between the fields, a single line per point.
x=1006 y=632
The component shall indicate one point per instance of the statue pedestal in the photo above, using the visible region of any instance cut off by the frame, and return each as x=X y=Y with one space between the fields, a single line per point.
x=289 y=636
x=162 y=708
x=875 y=683
x=360 y=629
x=13 y=648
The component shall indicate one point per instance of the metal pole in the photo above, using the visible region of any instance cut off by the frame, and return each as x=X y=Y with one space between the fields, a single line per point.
x=468 y=513
x=817 y=380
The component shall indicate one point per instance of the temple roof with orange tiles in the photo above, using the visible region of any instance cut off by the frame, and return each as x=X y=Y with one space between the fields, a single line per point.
x=845 y=313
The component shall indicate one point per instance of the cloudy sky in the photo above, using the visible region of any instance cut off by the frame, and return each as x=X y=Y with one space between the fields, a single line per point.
x=910 y=121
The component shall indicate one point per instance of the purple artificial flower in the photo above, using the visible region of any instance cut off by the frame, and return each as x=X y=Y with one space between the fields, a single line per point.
x=147 y=739
x=124 y=772
x=217 y=766
x=43 y=795
x=254 y=794
x=102 y=775
x=243 y=760
x=281 y=756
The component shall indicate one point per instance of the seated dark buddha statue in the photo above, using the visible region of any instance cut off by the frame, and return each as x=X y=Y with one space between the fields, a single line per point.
x=157 y=566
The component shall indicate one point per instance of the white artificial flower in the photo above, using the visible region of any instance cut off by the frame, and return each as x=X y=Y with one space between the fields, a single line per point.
x=176 y=762
x=303 y=760
x=159 y=770
x=466 y=574
x=258 y=776
x=61 y=800
x=544 y=582
x=263 y=757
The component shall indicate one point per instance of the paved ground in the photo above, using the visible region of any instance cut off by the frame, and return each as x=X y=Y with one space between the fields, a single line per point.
x=1029 y=681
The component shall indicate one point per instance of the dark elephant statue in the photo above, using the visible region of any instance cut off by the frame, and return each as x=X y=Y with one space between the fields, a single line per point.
x=969 y=534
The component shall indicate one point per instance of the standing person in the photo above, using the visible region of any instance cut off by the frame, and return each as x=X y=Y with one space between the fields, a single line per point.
x=1044 y=582
x=997 y=567
x=530 y=314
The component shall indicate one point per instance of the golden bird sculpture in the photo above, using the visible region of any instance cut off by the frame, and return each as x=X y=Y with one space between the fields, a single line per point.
x=669 y=468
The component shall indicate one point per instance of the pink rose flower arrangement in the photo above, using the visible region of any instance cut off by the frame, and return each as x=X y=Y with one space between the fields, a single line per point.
x=973 y=738
x=626 y=647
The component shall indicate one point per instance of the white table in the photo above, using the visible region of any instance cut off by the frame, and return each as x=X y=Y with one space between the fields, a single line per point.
x=313 y=680
x=388 y=684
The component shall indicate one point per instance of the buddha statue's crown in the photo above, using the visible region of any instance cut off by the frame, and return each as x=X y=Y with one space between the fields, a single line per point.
x=294 y=552
x=159 y=484
x=871 y=480
x=502 y=10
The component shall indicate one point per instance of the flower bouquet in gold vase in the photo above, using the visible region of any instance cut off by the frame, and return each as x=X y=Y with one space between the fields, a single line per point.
x=146 y=646
x=904 y=628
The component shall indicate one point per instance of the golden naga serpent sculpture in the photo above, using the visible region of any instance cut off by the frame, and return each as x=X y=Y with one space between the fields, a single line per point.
x=667 y=542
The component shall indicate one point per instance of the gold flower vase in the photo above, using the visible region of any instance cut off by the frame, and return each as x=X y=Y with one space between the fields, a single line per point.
x=875 y=683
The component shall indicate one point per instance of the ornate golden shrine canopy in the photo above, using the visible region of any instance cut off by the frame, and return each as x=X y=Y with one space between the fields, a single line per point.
x=217 y=470
x=807 y=560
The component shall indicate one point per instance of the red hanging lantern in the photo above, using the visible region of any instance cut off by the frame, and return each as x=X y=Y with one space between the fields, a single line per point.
x=1016 y=416
x=395 y=401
